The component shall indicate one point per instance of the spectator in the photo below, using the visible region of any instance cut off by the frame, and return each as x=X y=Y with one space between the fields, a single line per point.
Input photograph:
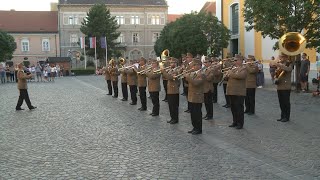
x=53 y=72
x=38 y=72
x=33 y=72
x=272 y=69
x=49 y=72
x=11 y=68
x=260 y=75
x=2 y=74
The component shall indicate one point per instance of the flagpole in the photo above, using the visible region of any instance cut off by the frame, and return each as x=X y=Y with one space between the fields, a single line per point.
x=84 y=49
x=105 y=38
x=95 y=52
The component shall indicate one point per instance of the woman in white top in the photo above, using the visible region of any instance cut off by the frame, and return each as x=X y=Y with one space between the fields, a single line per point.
x=53 y=72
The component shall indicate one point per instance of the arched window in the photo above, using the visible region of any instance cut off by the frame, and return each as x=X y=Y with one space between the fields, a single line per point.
x=135 y=55
x=235 y=19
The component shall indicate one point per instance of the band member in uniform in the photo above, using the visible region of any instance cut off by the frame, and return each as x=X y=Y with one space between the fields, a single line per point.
x=114 y=73
x=132 y=82
x=187 y=66
x=283 y=83
x=196 y=96
x=142 y=84
x=236 y=89
x=165 y=83
x=208 y=88
x=154 y=87
x=173 y=91
x=183 y=62
x=107 y=77
x=23 y=88
x=124 y=85
x=227 y=63
x=217 y=75
x=251 y=85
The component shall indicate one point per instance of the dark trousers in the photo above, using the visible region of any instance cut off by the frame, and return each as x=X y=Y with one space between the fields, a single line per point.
x=215 y=92
x=143 y=97
x=187 y=90
x=12 y=77
x=250 y=100
x=284 y=101
x=208 y=104
x=173 y=101
x=165 y=83
x=115 y=88
x=155 y=102
x=124 y=89
x=15 y=75
x=184 y=87
x=237 y=109
x=225 y=94
x=196 y=116
x=23 y=96
x=109 y=84
x=133 y=93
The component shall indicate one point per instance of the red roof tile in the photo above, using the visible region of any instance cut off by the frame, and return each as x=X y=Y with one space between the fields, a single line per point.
x=209 y=7
x=173 y=17
x=29 y=21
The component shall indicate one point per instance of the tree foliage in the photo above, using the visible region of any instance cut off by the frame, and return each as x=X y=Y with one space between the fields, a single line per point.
x=7 y=46
x=193 y=33
x=99 y=23
x=274 y=18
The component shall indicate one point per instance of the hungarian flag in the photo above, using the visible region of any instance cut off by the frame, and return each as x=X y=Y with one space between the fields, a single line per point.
x=92 y=42
x=82 y=42
x=103 y=42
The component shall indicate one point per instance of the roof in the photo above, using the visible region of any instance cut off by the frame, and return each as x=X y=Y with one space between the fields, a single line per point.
x=209 y=7
x=117 y=2
x=173 y=17
x=58 y=59
x=29 y=21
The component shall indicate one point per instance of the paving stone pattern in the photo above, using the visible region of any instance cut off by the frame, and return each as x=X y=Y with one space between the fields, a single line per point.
x=78 y=132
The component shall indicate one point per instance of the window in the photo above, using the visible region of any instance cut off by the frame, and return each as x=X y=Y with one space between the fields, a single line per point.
x=70 y=20
x=235 y=19
x=120 y=19
x=74 y=40
x=155 y=37
x=120 y=38
x=135 y=20
x=45 y=45
x=25 y=45
x=155 y=20
x=135 y=37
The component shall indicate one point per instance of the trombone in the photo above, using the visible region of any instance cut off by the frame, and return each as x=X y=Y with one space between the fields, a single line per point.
x=127 y=67
x=144 y=71
x=158 y=71
x=225 y=70
x=179 y=76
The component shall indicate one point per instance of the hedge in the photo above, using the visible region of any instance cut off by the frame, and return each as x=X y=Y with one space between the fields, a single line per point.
x=78 y=72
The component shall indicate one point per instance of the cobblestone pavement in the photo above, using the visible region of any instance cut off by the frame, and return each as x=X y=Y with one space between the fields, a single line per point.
x=78 y=132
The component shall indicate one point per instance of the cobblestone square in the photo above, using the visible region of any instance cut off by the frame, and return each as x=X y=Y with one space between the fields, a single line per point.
x=78 y=132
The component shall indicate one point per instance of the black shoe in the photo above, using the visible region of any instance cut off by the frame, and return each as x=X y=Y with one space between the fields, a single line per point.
x=245 y=111
x=170 y=121
x=115 y=96
x=279 y=119
x=151 y=114
x=227 y=106
x=183 y=94
x=149 y=97
x=132 y=103
x=187 y=111
x=191 y=131
x=196 y=132
x=124 y=99
x=166 y=100
x=239 y=127
x=204 y=116
x=109 y=94
x=174 y=122
x=233 y=125
x=143 y=109
x=140 y=108
x=208 y=118
x=155 y=115
x=250 y=113
x=19 y=109
x=284 y=120
x=32 y=107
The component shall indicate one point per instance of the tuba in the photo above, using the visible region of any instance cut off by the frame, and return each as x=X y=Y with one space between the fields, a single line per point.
x=165 y=54
x=122 y=62
x=291 y=44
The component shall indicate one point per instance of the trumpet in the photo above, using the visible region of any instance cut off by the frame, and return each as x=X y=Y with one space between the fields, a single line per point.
x=159 y=70
x=224 y=70
x=252 y=62
x=179 y=76
x=127 y=67
x=144 y=71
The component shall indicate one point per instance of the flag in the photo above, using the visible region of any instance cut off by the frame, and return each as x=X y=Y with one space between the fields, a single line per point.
x=82 y=42
x=103 y=42
x=92 y=42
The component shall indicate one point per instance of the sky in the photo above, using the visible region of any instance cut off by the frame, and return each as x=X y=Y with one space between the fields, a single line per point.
x=175 y=6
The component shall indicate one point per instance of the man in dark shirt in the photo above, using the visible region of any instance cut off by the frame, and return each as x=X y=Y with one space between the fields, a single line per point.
x=304 y=72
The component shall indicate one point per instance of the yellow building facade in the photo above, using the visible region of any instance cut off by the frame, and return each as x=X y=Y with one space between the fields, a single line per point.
x=247 y=42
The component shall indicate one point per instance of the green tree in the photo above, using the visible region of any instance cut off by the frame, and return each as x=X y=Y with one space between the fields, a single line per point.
x=193 y=33
x=99 y=23
x=7 y=46
x=274 y=18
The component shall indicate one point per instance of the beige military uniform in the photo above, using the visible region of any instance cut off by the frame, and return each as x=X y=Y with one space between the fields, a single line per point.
x=251 y=80
x=22 y=80
x=106 y=74
x=114 y=73
x=173 y=84
x=153 y=81
x=123 y=76
x=217 y=75
x=285 y=80
x=195 y=89
x=227 y=64
x=237 y=81
x=208 y=82
x=142 y=78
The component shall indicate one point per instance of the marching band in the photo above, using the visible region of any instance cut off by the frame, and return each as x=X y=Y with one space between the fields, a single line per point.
x=200 y=81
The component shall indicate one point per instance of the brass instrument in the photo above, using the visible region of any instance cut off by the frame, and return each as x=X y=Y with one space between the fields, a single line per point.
x=144 y=71
x=127 y=67
x=225 y=70
x=226 y=74
x=179 y=76
x=200 y=70
x=122 y=62
x=159 y=70
x=291 y=44
x=165 y=54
